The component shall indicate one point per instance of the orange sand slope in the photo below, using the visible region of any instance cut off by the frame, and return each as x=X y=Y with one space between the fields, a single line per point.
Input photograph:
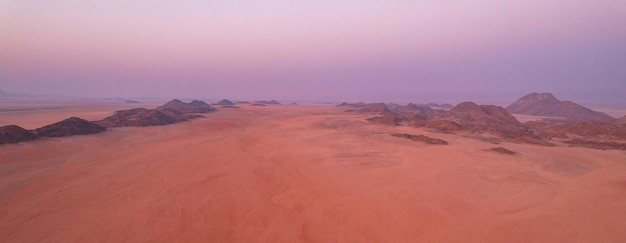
x=304 y=174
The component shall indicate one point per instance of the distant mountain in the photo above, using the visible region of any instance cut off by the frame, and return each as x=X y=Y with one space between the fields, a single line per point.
x=440 y=106
x=621 y=120
x=195 y=106
x=15 y=134
x=271 y=102
x=421 y=110
x=4 y=94
x=359 y=104
x=69 y=127
x=225 y=102
x=546 y=104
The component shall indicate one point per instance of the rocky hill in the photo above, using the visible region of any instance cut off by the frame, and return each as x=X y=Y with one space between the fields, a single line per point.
x=386 y=118
x=195 y=106
x=419 y=112
x=621 y=120
x=15 y=134
x=486 y=122
x=69 y=127
x=469 y=113
x=141 y=117
x=546 y=104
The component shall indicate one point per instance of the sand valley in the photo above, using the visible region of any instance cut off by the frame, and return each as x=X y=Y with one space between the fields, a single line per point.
x=303 y=174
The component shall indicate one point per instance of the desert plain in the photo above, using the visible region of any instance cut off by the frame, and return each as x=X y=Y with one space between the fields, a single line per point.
x=298 y=173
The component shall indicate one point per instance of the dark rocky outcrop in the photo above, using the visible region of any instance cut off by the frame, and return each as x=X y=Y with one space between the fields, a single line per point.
x=69 y=127
x=387 y=118
x=441 y=125
x=420 y=112
x=501 y=150
x=421 y=138
x=604 y=145
x=469 y=113
x=374 y=107
x=141 y=117
x=546 y=104
x=195 y=106
x=15 y=134
x=589 y=130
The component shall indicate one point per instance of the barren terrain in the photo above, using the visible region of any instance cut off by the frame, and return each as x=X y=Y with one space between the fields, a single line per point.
x=299 y=174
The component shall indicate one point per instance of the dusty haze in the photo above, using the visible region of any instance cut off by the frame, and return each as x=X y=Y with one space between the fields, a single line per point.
x=392 y=51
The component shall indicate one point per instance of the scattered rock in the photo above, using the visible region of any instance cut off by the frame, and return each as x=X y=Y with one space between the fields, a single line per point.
x=604 y=145
x=589 y=130
x=421 y=138
x=501 y=150
x=442 y=125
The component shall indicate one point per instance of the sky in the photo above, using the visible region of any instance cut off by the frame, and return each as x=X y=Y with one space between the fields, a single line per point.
x=393 y=50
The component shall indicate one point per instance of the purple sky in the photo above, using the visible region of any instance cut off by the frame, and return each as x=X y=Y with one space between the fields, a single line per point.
x=353 y=50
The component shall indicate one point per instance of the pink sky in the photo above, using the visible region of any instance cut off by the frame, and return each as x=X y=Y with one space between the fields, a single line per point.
x=353 y=50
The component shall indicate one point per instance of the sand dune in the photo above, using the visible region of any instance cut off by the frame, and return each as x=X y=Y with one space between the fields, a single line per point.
x=303 y=174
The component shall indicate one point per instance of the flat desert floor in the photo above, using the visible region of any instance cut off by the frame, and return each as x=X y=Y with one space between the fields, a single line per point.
x=302 y=174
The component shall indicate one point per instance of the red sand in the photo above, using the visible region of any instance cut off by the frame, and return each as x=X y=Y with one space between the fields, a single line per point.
x=303 y=174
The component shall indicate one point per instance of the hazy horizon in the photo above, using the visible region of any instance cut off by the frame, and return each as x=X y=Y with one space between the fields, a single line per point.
x=394 y=51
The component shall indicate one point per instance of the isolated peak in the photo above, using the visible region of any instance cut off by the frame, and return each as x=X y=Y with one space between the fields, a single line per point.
x=175 y=101
x=546 y=104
